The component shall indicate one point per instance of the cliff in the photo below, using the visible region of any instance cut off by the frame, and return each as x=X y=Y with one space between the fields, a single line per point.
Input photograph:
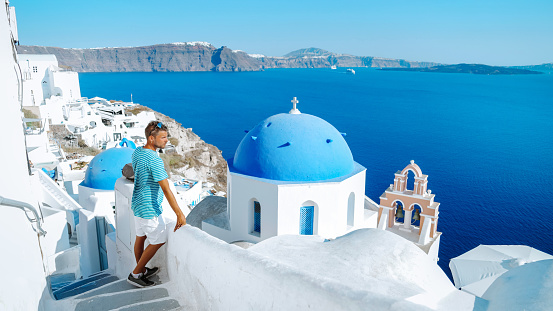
x=195 y=159
x=319 y=58
x=202 y=56
x=195 y=56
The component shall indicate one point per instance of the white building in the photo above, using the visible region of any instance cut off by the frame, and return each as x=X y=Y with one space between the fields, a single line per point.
x=42 y=79
x=293 y=173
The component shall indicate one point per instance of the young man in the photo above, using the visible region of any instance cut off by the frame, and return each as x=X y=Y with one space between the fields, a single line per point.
x=150 y=184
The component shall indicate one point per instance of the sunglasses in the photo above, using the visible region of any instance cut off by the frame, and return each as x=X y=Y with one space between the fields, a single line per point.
x=159 y=125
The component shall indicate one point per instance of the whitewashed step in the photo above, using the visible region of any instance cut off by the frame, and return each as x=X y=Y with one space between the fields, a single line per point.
x=121 y=299
x=115 y=287
x=163 y=304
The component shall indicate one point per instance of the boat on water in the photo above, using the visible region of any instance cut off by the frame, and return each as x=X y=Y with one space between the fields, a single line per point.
x=350 y=71
x=333 y=67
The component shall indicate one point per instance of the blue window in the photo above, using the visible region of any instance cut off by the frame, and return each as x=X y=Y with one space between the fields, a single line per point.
x=256 y=217
x=306 y=220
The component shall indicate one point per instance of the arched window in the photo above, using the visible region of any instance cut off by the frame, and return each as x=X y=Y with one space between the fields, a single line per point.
x=351 y=209
x=256 y=217
x=410 y=181
x=415 y=219
x=400 y=213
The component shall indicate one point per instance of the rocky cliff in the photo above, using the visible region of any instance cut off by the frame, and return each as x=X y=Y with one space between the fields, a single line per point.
x=201 y=56
x=195 y=159
x=195 y=56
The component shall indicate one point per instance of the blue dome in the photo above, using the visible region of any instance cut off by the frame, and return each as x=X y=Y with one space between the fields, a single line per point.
x=294 y=147
x=104 y=170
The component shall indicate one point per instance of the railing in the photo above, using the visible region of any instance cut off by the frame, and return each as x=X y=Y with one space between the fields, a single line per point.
x=60 y=196
x=24 y=207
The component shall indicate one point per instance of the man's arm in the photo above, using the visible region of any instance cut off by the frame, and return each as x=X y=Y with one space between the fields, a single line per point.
x=181 y=220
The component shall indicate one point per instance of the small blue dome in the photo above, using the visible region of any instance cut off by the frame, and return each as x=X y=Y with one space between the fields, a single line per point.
x=127 y=143
x=104 y=170
x=294 y=147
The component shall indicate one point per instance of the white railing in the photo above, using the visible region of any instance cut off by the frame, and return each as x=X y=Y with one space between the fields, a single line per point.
x=58 y=194
x=25 y=206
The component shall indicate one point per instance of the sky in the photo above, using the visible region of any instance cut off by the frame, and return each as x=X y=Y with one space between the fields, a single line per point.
x=505 y=33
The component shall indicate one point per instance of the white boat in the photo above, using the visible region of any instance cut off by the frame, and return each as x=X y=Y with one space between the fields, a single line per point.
x=349 y=70
x=333 y=67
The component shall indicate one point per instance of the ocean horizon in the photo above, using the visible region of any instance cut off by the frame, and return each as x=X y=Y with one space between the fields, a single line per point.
x=485 y=141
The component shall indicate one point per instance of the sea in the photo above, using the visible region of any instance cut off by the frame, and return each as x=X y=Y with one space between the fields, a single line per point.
x=485 y=141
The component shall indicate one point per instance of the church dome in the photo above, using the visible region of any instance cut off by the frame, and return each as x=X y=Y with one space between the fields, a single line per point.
x=104 y=170
x=294 y=147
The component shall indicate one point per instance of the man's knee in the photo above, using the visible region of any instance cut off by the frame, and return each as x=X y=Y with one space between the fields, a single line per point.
x=141 y=238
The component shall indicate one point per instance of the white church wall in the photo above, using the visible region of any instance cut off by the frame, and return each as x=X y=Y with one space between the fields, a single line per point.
x=244 y=191
x=331 y=200
x=280 y=206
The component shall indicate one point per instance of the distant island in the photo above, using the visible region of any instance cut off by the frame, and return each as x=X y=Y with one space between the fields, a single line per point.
x=542 y=67
x=470 y=68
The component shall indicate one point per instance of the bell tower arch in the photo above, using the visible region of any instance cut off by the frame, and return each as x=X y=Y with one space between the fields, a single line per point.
x=411 y=208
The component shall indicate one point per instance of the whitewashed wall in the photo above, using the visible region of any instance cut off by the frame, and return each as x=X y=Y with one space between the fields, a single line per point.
x=66 y=83
x=34 y=91
x=88 y=240
x=331 y=200
x=281 y=202
x=21 y=262
x=57 y=239
x=240 y=208
x=100 y=202
x=210 y=274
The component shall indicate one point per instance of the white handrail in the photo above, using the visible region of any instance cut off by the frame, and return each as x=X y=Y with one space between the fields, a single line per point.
x=68 y=203
x=25 y=206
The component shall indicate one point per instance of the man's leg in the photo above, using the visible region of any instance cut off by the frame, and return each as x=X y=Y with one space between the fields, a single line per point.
x=148 y=253
x=139 y=247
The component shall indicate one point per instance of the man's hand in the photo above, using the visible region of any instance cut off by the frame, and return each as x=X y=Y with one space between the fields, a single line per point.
x=181 y=221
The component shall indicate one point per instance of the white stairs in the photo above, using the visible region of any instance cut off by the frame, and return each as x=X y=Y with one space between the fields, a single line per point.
x=104 y=291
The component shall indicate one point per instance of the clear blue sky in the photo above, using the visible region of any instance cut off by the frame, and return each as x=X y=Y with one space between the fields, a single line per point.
x=473 y=31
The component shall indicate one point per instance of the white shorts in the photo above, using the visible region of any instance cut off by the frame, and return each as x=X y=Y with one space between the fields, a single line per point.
x=154 y=229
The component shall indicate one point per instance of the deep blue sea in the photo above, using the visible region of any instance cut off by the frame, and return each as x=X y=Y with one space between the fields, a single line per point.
x=486 y=142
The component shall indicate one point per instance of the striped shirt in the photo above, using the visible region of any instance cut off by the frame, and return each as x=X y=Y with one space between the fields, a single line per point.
x=147 y=194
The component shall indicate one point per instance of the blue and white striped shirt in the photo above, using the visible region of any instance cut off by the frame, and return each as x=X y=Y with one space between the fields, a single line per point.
x=147 y=194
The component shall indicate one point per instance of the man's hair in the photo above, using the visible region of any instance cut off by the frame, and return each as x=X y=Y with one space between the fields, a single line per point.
x=153 y=128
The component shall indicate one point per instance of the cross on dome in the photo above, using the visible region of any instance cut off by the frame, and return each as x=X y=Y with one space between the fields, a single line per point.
x=294 y=109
